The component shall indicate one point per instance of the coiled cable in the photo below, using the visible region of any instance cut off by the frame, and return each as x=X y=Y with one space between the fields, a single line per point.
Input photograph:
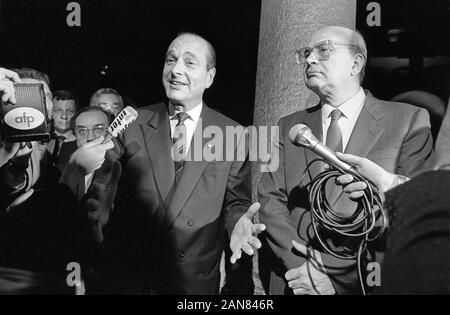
x=360 y=226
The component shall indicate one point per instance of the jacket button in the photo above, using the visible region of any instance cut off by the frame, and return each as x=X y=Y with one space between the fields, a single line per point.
x=191 y=223
x=181 y=254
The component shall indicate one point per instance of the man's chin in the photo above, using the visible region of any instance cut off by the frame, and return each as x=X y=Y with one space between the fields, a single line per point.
x=61 y=130
x=312 y=84
x=175 y=96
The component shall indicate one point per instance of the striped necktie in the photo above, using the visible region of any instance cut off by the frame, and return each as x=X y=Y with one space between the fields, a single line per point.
x=179 y=138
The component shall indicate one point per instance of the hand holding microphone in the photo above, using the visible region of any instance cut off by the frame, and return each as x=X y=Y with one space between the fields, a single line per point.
x=301 y=135
x=381 y=178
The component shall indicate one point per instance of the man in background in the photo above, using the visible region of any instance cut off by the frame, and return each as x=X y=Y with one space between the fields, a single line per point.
x=65 y=105
x=108 y=99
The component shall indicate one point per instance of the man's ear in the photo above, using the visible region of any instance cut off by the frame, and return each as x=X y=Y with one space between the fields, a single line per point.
x=210 y=77
x=358 y=64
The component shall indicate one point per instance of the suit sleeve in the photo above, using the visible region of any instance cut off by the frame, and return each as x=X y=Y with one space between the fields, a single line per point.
x=238 y=193
x=100 y=197
x=417 y=145
x=272 y=193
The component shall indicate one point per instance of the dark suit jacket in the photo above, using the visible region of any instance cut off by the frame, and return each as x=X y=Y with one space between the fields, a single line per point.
x=66 y=151
x=395 y=136
x=165 y=240
x=417 y=255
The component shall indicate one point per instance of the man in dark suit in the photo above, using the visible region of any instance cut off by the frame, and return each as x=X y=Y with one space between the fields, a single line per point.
x=348 y=119
x=176 y=206
x=65 y=105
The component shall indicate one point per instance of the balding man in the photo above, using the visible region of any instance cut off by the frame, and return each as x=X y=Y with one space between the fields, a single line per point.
x=348 y=119
x=168 y=228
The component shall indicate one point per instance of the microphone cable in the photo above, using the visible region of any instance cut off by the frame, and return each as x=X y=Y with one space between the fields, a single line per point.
x=360 y=226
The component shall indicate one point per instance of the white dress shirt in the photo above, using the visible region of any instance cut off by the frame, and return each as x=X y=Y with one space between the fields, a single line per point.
x=350 y=112
x=190 y=123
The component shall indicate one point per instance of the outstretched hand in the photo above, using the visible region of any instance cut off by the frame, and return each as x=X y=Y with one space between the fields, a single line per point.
x=244 y=234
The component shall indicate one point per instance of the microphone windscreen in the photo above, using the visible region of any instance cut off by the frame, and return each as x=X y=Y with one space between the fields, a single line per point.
x=296 y=134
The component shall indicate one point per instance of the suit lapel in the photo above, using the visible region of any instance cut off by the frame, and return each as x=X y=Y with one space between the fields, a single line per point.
x=314 y=121
x=365 y=134
x=158 y=145
x=367 y=129
x=193 y=168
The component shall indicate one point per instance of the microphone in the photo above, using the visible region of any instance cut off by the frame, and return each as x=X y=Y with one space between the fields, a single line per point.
x=302 y=136
x=121 y=122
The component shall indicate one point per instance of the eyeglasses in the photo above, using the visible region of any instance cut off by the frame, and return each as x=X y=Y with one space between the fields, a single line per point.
x=321 y=50
x=97 y=131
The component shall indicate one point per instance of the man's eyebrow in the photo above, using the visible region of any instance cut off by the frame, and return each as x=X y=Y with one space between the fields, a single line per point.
x=189 y=54
x=170 y=53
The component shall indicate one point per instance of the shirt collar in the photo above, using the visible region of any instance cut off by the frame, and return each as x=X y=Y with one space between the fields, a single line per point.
x=68 y=135
x=194 y=113
x=348 y=108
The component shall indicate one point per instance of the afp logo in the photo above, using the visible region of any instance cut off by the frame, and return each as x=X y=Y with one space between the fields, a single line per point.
x=24 y=118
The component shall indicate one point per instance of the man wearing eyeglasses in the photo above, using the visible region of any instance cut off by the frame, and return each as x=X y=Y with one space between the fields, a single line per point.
x=348 y=119
x=90 y=126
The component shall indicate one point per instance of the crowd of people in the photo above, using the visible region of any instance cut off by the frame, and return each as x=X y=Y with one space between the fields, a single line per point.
x=138 y=221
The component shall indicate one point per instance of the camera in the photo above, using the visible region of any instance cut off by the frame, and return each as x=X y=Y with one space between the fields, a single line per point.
x=27 y=120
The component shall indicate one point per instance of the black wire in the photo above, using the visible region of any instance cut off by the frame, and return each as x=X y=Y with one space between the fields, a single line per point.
x=360 y=226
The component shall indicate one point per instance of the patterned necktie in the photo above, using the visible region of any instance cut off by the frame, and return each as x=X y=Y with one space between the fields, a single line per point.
x=334 y=135
x=179 y=138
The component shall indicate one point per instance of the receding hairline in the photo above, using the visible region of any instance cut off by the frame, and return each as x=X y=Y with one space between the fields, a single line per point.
x=343 y=33
x=210 y=58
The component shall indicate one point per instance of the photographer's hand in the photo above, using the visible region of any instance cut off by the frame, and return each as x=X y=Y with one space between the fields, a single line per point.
x=7 y=78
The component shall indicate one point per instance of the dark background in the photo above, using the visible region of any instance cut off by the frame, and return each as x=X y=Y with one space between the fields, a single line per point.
x=131 y=37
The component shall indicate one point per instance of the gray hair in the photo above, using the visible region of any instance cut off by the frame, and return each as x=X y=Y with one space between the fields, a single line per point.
x=360 y=48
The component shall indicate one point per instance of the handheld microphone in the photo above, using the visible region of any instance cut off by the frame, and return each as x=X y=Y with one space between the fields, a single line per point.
x=302 y=136
x=121 y=122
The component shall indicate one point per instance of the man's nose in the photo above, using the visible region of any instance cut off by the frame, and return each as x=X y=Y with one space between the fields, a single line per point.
x=177 y=67
x=63 y=115
x=311 y=59
x=91 y=136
